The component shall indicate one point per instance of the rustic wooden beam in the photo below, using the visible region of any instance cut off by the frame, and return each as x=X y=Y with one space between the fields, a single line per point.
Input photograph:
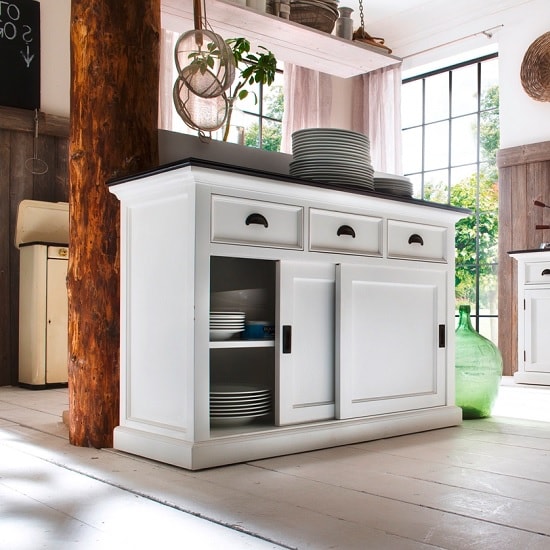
x=22 y=120
x=113 y=132
x=523 y=154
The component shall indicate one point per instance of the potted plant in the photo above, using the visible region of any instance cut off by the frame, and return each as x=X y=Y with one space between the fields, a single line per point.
x=251 y=68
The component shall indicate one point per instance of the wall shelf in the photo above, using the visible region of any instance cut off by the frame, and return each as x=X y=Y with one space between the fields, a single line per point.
x=289 y=41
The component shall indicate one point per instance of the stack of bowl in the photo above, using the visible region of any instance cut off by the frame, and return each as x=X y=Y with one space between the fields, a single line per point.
x=332 y=155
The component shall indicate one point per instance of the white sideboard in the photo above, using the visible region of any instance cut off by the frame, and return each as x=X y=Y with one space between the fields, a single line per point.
x=533 y=316
x=360 y=287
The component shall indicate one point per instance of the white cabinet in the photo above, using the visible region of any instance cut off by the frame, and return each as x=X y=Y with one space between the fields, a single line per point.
x=533 y=316
x=360 y=289
x=43 y=315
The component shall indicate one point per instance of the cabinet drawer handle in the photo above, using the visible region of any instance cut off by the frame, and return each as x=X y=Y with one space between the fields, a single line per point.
x=545 y=271
x=257 y=219
x=415 y=238
x=346 y=230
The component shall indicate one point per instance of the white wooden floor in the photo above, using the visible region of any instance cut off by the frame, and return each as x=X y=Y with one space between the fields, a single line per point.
x=483 y=485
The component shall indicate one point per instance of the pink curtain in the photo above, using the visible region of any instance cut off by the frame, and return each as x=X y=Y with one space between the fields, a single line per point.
x=376 y=112
x=307 y=102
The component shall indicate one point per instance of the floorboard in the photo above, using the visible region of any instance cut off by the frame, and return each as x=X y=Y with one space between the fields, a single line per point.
x=482 y=485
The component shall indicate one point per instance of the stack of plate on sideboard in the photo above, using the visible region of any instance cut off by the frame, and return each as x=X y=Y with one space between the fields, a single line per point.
x=332 y=155
x=235 y=404
x=393 y=184
x=225 y=324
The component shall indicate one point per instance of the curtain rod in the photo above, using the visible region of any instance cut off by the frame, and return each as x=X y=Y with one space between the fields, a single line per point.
x=487 y=32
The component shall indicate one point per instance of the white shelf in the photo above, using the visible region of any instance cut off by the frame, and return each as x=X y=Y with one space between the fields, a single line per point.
x=242 y=344
x=289 y=41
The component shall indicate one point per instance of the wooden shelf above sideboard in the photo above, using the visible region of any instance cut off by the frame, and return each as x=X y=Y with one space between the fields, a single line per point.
x=290 y=42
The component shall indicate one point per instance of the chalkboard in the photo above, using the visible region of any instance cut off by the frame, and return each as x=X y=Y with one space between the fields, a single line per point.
x=20 y=53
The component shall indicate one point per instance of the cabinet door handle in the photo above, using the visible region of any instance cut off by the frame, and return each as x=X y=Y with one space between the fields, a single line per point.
x=257 y=219
x=415 y=238
x=346 y=230
x=545 y=271
x=441 y=336
x=287 y=338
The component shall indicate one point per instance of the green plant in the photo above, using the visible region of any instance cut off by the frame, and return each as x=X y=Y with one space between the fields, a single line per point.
x=252 y=68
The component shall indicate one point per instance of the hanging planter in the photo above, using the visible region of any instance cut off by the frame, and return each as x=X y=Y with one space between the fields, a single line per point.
x=204 y=61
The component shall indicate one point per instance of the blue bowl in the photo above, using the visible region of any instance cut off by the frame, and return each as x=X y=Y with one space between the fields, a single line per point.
x=259 y=330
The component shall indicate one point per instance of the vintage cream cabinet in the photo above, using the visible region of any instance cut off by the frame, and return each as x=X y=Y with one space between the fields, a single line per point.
x=533 y=316
x=360 y=287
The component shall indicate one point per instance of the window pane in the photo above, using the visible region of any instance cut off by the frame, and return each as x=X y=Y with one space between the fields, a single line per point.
x=488 y=327
x=437 y=97
x=412 y=150
x=460 y=175
x=271 y=135
x=411 y=104
x=489 y=74
x=251 y=103
x=437 y=146
x=436 y=186
x=465 y=285
x=273 y=98
x=488 y=243
x=251 y=130
x=464 y=92
x=488 y=293
x=416 y=181
x=464 y=140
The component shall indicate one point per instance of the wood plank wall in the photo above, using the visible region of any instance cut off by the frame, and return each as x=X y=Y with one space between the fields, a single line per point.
x=524 y=176
x=18 y=183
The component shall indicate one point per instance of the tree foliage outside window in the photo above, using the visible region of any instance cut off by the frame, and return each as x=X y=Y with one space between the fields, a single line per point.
x=261 y=116
x=271 y=127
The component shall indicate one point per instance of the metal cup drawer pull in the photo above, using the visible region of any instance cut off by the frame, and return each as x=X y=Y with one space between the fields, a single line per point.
x=545 y=272
x=415 y=238
x=256 y=218
x=346 y=230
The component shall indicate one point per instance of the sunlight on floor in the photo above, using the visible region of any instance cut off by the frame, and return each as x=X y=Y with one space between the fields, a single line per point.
x=522 y=401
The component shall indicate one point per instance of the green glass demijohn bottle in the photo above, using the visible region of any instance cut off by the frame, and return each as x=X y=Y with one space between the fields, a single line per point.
x=478 y=368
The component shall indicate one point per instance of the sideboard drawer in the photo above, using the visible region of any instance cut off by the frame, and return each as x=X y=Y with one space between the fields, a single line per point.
x=344 y=233
x=237 y=220
x=537 y=273
x=417 y=241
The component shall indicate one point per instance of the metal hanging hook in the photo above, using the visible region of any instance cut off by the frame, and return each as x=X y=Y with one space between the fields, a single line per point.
x=35 y=165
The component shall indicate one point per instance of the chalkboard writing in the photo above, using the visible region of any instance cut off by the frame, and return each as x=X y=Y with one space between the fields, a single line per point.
x=20 y=53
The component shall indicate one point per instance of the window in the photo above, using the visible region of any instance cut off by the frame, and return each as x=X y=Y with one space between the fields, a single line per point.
x=450 y=138
x=258 y=119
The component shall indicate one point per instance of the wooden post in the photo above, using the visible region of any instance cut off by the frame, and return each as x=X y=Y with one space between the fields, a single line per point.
x=113 y=132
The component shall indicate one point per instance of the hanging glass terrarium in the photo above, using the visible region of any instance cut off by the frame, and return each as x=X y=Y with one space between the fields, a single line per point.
x=478 y=369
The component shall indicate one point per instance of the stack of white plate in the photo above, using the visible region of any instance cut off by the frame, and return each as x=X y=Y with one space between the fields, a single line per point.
x=393 y=184
x=234 y=404
x=225 y=324
x=332 y=155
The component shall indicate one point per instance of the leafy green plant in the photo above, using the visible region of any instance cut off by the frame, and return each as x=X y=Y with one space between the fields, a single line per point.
x=252 y=68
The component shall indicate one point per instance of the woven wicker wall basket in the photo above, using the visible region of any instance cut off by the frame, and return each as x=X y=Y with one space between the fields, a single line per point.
x=535 y=69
